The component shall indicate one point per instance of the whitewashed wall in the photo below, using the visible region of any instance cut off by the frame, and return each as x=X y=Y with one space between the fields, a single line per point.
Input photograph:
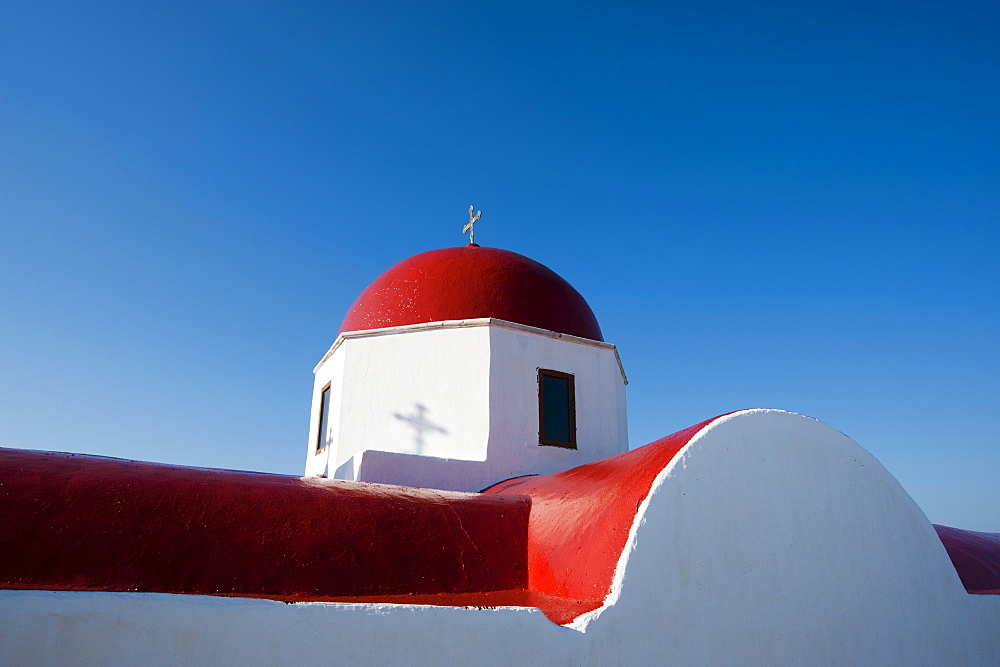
x=601 y=421
x=455 y=405
x=330 y=372
x=40 y=628
x=775 y=539
x=770 y=539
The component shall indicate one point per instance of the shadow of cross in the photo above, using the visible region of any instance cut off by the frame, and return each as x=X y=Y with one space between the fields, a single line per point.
x=420 y=424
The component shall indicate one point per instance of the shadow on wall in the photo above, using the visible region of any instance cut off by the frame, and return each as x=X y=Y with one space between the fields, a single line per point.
x=421 y=425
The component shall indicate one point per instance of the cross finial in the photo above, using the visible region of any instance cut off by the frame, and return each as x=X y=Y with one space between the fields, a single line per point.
x=472 y=221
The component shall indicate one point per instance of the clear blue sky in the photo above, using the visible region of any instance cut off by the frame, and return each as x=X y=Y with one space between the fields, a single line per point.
x=780 y=204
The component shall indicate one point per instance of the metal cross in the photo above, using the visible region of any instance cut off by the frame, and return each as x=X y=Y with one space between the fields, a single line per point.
x=472 y=221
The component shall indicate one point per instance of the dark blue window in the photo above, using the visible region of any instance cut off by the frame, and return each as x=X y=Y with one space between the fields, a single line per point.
x=556 y=409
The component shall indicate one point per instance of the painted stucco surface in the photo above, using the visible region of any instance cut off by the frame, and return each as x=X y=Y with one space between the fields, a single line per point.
x=976 y=557
x=322 y=448
x=772 y=538
x=769 y=538
x=472 y=282
x=417 y=393
x=455 y=405
x=582 y=521
x=72 y=522
x=601 y=421
x=55 y=628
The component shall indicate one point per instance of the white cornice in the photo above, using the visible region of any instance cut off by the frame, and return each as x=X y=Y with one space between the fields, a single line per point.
x=460 y=324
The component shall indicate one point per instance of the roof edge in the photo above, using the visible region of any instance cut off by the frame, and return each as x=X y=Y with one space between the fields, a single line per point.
x=463 y=324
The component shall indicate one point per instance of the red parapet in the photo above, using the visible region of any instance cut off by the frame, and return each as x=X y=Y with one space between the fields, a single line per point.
x=976 y=557
x=581 y=519
x=71 y=522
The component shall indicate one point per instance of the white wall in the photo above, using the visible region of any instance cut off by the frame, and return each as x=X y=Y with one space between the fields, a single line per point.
x=80 y=628
x=455 y=405
x=775 y=539
x=601 y=422
x=417 y=392
x=770 y=539
x=331 y=372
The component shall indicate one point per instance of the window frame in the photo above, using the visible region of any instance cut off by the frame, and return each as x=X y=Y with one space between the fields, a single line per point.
x=324 y=406
x=542 y=440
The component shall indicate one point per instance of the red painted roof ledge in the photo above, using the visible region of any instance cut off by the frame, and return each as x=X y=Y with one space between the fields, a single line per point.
x=73 y=522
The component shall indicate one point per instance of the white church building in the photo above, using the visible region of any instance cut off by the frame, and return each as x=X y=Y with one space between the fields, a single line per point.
x=439 y=381
x=470 y=497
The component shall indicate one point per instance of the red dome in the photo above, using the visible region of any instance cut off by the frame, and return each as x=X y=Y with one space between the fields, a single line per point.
x=470 y=282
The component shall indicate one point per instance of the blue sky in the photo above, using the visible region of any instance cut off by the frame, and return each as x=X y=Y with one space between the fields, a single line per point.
x=790 y=205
